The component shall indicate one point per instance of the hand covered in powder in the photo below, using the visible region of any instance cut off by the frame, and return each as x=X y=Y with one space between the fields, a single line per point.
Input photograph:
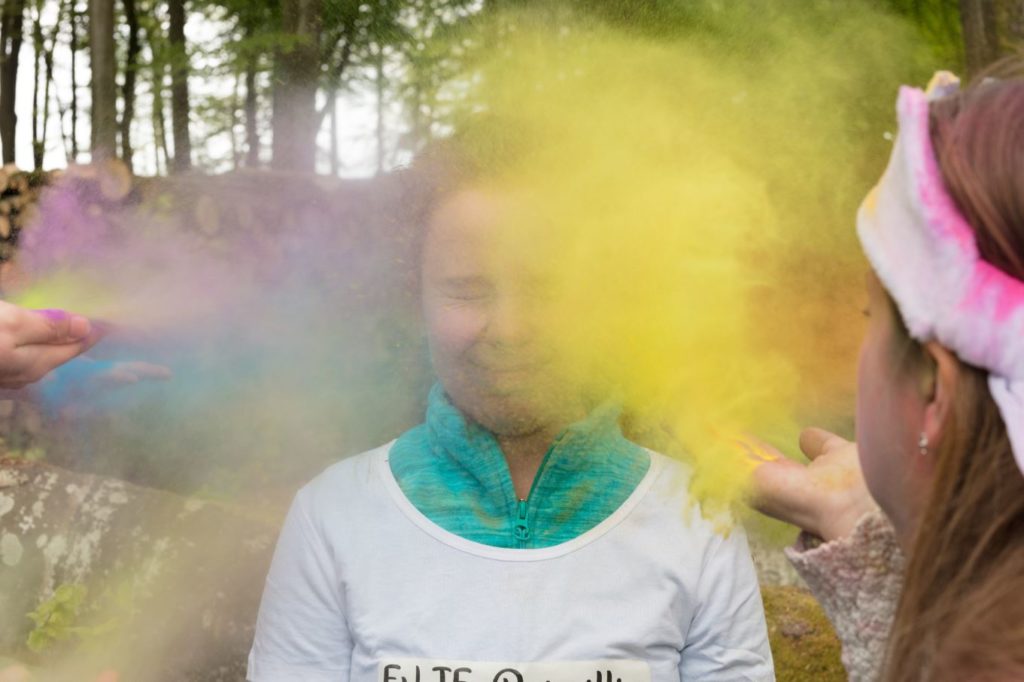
x=34 y=342
x=80 y=386
x=114 y=374
x=826 y=497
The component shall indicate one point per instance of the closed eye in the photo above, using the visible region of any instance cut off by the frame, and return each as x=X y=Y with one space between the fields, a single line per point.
x=467 y=288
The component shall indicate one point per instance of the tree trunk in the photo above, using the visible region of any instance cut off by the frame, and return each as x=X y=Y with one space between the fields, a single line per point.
x=73 y=20
x=379 y=82
x=981 y=35
x=333 y=122
x=296 y=76
x=252 y=133
x=158 y=67
x=48 y=79
x=128 y=88
x=38 y=145
x=104 y=84
x=236 y=155
x=159 y=117
x=11 y=23
x=416 y=115
x=1015 y=24
x=179 y=88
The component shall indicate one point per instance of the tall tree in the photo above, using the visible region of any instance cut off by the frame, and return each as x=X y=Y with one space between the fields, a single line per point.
x=12 y=18
x=257 y=24
x=73 y=45
x=252 y=135
x=425 y=49
x=296 y=77
x=153 y=36
x=38 y=141
x=43 y=46
x=128 y=85
x=332 y=121
x=179 y=88
x=104 y=85
x=1017 y=23
x=981 y=37
x=380 y=85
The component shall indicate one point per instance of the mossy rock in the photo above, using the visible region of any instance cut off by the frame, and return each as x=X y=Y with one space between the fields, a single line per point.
x=804 y=644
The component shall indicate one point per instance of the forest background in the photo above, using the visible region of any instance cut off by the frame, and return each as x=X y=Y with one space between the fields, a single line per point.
x=356 y=87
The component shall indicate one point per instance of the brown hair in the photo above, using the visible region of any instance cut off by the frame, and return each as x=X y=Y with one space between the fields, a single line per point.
x=484 y=147
x=961 y=614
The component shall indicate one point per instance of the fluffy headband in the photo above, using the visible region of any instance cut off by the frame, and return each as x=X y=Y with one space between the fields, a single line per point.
x=925 y=254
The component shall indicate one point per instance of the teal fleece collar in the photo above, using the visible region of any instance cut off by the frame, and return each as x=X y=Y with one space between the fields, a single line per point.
x=453 y=471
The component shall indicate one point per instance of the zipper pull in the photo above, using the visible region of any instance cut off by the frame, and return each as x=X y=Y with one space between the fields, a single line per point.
x=522 y=529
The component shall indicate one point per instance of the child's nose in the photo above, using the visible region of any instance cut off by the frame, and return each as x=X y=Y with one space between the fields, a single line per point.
x=512 y=321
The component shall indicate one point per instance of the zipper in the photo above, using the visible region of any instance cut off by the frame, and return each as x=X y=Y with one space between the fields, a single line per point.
x=521 y=528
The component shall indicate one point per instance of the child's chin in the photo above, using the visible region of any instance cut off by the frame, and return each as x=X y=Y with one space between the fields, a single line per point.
x=510 y=416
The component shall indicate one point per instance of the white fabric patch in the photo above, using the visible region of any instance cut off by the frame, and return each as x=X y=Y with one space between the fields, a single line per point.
x=437 y=670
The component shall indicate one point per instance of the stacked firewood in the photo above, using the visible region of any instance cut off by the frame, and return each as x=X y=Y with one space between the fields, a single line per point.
x=19 y=194
x=20 y=191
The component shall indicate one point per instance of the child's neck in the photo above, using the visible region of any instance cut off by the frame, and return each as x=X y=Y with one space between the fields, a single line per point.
x=524 y=455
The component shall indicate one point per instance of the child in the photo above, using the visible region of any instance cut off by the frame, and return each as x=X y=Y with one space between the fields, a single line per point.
x=516 y=535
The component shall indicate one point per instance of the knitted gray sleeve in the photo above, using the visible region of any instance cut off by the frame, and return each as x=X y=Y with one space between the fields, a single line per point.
x=857 y=579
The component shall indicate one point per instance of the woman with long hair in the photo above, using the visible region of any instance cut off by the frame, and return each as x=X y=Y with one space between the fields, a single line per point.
x=934 y=589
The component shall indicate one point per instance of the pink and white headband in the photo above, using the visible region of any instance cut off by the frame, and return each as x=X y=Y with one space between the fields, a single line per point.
x=925 y=254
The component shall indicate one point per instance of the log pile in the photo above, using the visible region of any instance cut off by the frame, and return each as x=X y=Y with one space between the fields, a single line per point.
x=20 y=192
x=19 y=196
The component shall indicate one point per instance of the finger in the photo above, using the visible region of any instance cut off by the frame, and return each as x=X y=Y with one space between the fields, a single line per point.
x=134 y=372
x=757 y=449
x=39 y=360
x=146 y=370
x=815 y=442
x=32 y=327
x=780 y=489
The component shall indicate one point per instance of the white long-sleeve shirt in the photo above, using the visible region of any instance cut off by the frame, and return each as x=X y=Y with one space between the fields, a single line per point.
x=365 y=588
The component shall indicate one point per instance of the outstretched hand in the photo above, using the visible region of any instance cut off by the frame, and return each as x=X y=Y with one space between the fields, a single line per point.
x=825 y=497
x=34 y=342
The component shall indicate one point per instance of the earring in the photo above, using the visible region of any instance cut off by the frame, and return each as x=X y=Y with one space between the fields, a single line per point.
x=922 y=444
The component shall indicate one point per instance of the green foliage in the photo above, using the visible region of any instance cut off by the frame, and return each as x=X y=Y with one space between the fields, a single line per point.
x=938 y=22
x=55 y=618
x=31 y=454
x=58 y=619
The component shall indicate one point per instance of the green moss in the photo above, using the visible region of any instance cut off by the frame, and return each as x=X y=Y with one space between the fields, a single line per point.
x=804 y=644
x=55 y=618
x=59 y=619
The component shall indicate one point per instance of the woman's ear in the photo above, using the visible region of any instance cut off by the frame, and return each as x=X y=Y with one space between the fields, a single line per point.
x=940 y=391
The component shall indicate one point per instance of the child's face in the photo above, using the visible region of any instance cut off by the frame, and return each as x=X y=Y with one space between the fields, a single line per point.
x=889 y=403
x=484 y=296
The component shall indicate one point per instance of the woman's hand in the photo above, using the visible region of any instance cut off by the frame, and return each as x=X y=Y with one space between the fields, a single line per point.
x=34 y=342
x=825 y=497
x=77 y=388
